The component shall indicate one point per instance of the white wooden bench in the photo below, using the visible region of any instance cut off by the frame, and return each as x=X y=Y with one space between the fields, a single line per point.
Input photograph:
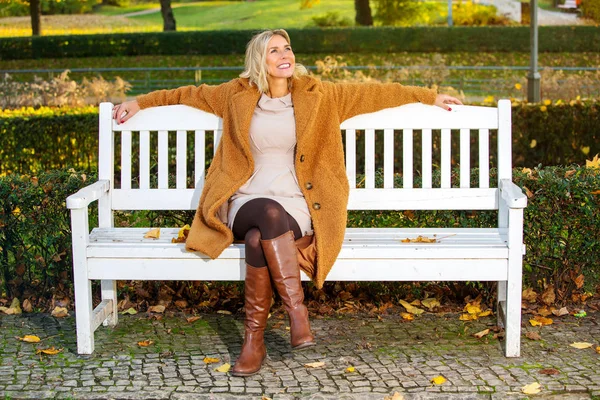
x=372 y=254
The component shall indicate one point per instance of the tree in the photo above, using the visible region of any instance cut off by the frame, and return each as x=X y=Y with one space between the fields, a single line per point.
x=363 y=12
x=35 y=9
x=167 y=14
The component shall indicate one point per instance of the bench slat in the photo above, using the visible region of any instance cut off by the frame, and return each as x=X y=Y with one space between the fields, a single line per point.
x=181 y=169
x=388 y=159
x=426 y=158
x=407 y=159
x=144 y=159
x=446 y=159
x=370 y=158
x=465 y=158
x=350 y=153
x=163 y=159
x=360 y=199
x=199 y=158
x=126 y=160
x=484 y=158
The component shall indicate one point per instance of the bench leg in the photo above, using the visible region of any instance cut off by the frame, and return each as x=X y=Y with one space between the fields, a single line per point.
x=109 y=292
x=501 y=303
x=514 y=285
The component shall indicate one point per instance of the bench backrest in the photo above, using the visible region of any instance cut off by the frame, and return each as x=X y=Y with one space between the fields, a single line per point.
x=179 y=140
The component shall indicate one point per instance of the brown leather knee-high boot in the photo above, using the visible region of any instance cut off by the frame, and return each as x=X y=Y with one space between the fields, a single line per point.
x=258 y=295
x=282 y=261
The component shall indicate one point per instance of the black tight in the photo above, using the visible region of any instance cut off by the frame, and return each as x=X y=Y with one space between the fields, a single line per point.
x=262 y=219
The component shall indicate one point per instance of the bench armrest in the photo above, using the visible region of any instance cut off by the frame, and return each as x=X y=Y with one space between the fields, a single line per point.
x=88 y=194
x=512 y=195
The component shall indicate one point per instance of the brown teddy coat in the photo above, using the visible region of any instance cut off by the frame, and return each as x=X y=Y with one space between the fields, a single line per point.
x=319 y=108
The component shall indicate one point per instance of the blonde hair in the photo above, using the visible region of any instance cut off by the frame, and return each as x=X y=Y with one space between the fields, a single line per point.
x=255 y=65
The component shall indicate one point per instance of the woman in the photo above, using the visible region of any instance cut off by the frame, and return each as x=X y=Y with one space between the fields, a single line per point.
x=278 y=176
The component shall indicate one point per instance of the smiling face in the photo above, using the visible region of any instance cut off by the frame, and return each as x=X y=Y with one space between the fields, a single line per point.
x=280 y=58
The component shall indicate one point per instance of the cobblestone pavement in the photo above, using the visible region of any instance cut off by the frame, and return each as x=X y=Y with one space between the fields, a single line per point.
x=389 y=355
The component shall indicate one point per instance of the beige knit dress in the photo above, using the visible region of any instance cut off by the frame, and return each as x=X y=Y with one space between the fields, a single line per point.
x=272 y=142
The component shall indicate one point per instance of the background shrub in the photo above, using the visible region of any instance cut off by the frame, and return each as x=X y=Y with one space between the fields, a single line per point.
x=591 y=9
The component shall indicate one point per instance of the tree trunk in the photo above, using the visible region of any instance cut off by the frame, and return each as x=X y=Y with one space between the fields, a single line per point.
x=35 y=9
x=167 y=14
x=363 y=12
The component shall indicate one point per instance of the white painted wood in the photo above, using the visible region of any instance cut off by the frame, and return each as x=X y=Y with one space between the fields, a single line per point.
x=106 y=162
x=465 y=158
x=109 y=294
x=504 y=140
x=169 y=118
x=199 y=158
x=351 y=157
x=426 y=158
x=407 y=160
x=370 y=158
x=101 y=313
x=144 y=159
x=484 y=158
x=459 y=254
x=181 y=157
x=422 y=116
x=126 y=160
x=360 y=199
x=216 y=140
x=388 y=159
x=446 y=164
x=82 y=283
x=163 y=159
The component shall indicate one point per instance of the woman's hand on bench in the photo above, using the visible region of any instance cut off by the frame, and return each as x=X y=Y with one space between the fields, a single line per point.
x=442 y=101
x=122 y=112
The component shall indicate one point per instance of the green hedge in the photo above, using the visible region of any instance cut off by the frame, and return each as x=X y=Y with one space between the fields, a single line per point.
x=45 y=139
x=561 y=224
x=308 y=41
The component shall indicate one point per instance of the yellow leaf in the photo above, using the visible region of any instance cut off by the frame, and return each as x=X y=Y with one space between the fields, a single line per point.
x=593 y=163
x=145 y=343
x=540 y=321
x=533 y=322
x=472 y=309
x=318 y=364
x=533 y=143
x=51 y=351
x=596 y=192
x=598 y=349
x=481 y=334
x=581 y=345
x=60 y=312
x=130 y=311
x=157 y=309
x=438 y=380
x=223 y=368
x=518 y=86
x=411 y=309
x=585 y=150
x=489 y=99
x=532 y=388
x=407 y=316
x=210 y=360
x=30 y=339
x=543 y=108
x=16 y=211
x=468 y=317
x=530 y=295
x=431 y=303
x=350 y=369
x=182 y=234
x=547 y=102
x=484 y=313
x=558 y=102
x=152 y=234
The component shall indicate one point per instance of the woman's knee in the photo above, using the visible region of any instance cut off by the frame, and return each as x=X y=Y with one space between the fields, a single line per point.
x=273 y=212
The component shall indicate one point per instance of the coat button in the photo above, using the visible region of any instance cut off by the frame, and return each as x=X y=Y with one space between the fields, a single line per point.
x=308 y=186
x=302 y=158
x=316 y=206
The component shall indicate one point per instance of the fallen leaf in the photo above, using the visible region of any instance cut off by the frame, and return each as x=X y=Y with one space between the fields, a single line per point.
x=468 y=317
x=596 y=192
x=145 y=343
x=598 y=349
x=395 y=396
x=60 y=312
x=561 y=312
x=438 y=380
x=15 y=308
x=157 y=309
x=182 y=235
x=224 y=312
x=569 y=173
x=530 y=295
x=581 y=345
x=481 y=334
x=472 y=309
x=317 y=364
x=533 y=335
x=544 y=312
x=152 y=234
x=593 y=163
x=549 y=296
x=411 y=309
x=532 y=388
x=407 y=316
x=540 y=321
x=192 y=319
x=579 y=281
x=210 y=360
x=580 y=314
x=27 y=307
x=223 y=368
x=30 y=339
x=549 y=371
x=265 y=398
x=350 y=369
x=130 y=311
x=431 y=303
x=51 y=351
x=485 y=313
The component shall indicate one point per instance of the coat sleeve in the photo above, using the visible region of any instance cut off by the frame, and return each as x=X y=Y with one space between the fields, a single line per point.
x=212 y=99
x=361 y=98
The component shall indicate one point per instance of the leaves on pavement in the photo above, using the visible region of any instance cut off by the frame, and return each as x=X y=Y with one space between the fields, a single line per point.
x=549 y=371
x=30 y=339
x=540 y=321
x=157 y=309
x=145 y=343
x=481 y=334
x=224 y=368
x=60 y=312
x=438 y=380
x=532 y=388
x=50 y=351
x=210 y=360
x=317 y=364
x=410 y=308
x=533 y=335
x=581 y=345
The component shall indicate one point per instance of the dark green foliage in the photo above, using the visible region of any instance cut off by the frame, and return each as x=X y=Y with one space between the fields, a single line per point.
x=307 y=41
